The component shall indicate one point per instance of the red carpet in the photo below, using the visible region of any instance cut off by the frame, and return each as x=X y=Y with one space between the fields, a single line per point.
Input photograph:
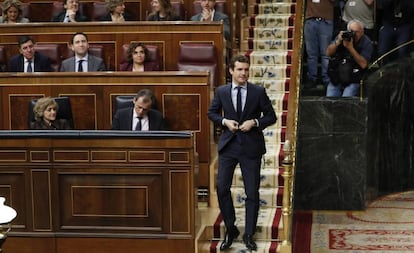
x=301 y=231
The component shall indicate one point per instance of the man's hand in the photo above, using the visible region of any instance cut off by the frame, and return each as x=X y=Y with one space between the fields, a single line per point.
x=206 y=15
x=247 y=125
x=71 y=14
x=232 y=125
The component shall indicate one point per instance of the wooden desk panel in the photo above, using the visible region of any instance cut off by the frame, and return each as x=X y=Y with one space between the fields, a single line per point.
x=182 y=97
x=72 y=195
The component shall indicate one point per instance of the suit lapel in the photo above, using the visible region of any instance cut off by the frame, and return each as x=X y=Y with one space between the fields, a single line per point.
x=230 y=101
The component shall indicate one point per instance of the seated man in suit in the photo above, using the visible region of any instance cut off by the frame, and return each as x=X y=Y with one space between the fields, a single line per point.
x=29 y=60
x=141 y=117
x=208 y=13
x=82 y=61
x=70 y=13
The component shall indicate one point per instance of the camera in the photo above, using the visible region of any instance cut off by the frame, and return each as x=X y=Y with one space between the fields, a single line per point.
x=347 y=35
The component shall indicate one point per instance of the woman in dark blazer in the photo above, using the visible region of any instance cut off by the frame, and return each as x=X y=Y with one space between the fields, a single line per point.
x=162 y=10
x=116 y=12
x=137 y=59
x=45 y=111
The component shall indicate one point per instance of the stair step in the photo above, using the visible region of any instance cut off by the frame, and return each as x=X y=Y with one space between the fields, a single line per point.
x=276 y=44
x=270 y=1
x=239 y=247
x=269 y=225
x=271 y=33
x=272 y=20
x=272 y=8
x=271 y=57
x=272 y=72
x=270 y=178
x=272 y=85
x=269 y=197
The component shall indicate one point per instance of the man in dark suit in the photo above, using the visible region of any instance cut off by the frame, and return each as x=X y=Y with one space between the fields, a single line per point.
x=208 y=13
x=29 y=60
x=244 y=110
x=82 y=61
x=141 y=117
x=70 y=13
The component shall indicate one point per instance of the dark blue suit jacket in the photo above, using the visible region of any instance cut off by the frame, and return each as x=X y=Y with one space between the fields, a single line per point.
x=258 y=106
x=41 y=63
x=123 y=119
x=61 y=16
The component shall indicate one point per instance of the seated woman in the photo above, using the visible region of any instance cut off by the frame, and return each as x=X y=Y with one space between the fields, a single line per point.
x=12 y=12
x=162 y=10
x=45 y=111
x=116 y=12
x=137 y=59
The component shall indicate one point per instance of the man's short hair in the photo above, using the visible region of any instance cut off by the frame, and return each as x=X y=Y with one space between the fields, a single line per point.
x=239 y=58
x=146 y=95
x=23 y=39
x=78 y=33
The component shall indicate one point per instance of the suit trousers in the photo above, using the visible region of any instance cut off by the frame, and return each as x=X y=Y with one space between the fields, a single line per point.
x=229 y=157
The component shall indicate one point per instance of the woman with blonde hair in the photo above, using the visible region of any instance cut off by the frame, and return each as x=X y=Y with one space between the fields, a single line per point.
x=116 y=12
x=12 y=12
x=45 y=111
x=162 y=10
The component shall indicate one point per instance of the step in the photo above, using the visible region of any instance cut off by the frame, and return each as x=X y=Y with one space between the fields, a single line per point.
x=274 y=44
x=272 y=85
x=270 y=57
x=239 y=247
x=250 y=2
x=269 y=225
x=272 y=20
x=275 y=8
x=281 y=71
x=269 y=33
x=270 y=178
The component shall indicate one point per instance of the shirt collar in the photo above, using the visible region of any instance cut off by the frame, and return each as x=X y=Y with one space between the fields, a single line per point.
x=83 y=58
x=233 y=86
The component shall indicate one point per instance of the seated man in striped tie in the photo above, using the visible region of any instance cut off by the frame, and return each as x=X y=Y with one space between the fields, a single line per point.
x=82 y=61
x=141 y=117
x=29 y=60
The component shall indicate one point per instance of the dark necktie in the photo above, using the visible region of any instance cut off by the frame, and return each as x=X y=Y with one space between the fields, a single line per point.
x=139 y=125
x=239 y=102
x=80 y=67
x=29 y=66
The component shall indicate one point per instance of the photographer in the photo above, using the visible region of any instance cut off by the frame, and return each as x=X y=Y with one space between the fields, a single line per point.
x=350 y=54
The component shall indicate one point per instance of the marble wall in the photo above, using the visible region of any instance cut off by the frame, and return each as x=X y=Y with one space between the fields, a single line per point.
x=331 y=166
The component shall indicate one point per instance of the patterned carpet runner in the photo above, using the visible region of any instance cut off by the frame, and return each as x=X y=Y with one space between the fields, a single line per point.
x=268 y=36
x=385 y=226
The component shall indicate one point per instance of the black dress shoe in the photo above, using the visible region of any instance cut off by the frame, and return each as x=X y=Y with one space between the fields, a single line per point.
x=229 y=237
x=248 y=240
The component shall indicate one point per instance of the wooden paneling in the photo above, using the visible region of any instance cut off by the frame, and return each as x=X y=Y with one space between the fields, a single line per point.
x=73 y=199
x=182 y=97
